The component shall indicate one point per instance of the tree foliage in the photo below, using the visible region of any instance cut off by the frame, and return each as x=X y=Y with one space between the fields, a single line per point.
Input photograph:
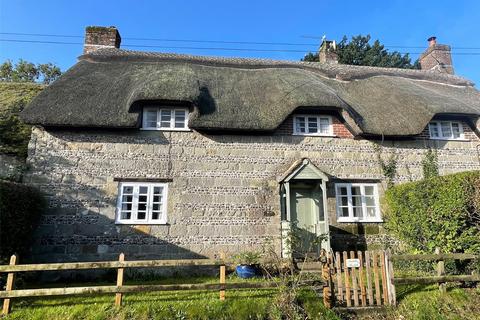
x=359 y=51
x=14 y=134
x=24 y=71
x=441 y=212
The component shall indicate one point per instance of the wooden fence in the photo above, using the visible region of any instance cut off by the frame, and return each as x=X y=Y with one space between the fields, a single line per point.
x=363 y=278
x=441 y=278
x=119 y=289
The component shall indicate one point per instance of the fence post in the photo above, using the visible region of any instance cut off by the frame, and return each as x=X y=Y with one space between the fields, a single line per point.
x=222 y=276
x=118 y=295
x=391 y=283
x=441 y=272
x=9 y=286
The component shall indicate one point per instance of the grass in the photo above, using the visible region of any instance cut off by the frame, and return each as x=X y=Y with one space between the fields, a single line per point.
x=239 y=304
x=414 y=302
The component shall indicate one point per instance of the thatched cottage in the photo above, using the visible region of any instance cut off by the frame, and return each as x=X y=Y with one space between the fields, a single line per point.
x=175 y=156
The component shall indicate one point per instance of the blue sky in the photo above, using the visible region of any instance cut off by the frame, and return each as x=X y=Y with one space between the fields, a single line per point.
x=394 y=23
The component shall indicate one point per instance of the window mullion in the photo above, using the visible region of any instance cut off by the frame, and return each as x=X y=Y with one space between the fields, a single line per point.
x=149 y=203
x=135 y=203
x=350 y=201
x=364 y=202
x=172 y=118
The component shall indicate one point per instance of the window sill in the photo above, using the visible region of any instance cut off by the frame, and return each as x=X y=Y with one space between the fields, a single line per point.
x=315 y=135
x=446 y=139
x=165 y=129
x=359 y=221
x=137 y=223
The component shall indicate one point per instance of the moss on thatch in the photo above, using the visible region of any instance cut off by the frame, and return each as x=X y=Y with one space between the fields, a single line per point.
x=248 y=94
x=14 y=134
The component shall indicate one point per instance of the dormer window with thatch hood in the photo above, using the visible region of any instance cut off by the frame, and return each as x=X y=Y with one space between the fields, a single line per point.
x=312 y=125
x=165 y=118
x=446 y=130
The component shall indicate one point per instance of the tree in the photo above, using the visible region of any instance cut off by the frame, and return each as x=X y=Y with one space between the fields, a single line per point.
x=25 y=71
x=358 y=51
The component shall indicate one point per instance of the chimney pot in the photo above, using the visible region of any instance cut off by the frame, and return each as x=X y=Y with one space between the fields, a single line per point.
x=97 y=37
x=432 y=41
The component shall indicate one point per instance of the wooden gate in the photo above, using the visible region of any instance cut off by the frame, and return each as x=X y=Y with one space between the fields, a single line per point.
x=362 y=278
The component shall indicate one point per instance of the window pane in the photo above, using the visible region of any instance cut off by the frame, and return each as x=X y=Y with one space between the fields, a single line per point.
x=127 y=190
x=357 y=212
x=127 y=198
x=143 y=190
x=142 y=206
x=433 y=130
x=342 y=191
x=344 y=201
x=180 y=118
x=369 y=190
x=357 y=201
x=125 y=215
x=142 y=199
x=344 y=212
x=312 y=125
x=456 y=130
x=127 y=206
x=356 y=191
x=370 y=201
x=151 y=118
x=371 y=212
x=157 y=190
x=156 y=207
x=141 y=215
x=165 y=117
x=156 y=215
x=446 y=130
x=300 y=124
x=324 y=126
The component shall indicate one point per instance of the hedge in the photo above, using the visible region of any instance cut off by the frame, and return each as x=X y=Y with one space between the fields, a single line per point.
x=441 y=212
x=20 y=209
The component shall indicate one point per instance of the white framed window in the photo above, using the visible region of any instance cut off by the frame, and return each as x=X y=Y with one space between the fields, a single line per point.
x=446 y=130
x=142 y=203
x=161 y=118
x=312 y=125
x=357 y=202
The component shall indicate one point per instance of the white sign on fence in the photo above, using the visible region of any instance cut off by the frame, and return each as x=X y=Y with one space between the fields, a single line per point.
x=353 y=263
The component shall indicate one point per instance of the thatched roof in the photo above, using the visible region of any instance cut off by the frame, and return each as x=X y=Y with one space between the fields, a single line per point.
x=247 y=94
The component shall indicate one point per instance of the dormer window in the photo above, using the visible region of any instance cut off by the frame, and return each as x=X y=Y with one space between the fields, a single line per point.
x=312 y=125
x=446 y=130
x=165 y=118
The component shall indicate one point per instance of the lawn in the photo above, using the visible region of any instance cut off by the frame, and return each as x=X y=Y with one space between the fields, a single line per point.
x=415 y=302
x=239 y=304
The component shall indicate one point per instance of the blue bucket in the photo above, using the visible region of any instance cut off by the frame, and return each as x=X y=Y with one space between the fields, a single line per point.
x=246 y=271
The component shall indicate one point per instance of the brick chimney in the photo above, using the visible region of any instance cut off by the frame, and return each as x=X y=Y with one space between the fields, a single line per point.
x=437 y=57
x=101 y=37
x=328 y=52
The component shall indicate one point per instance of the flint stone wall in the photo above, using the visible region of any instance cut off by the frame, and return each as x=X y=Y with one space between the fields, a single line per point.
x=224 y=194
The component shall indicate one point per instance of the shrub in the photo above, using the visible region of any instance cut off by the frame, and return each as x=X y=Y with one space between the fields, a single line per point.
x=441 y=212
x=14 y=134
x=20 y=208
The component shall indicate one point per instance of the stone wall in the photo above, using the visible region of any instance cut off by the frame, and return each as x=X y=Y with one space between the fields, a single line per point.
x=224 y=194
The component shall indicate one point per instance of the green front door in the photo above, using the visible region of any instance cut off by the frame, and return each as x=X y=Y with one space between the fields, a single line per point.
x=307 y=214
